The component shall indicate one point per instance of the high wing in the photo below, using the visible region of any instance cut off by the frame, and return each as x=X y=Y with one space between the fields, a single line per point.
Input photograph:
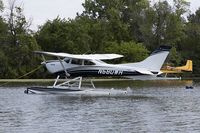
x=82 y=56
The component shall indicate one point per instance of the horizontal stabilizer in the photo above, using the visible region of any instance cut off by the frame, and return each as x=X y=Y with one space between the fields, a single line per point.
x=145 y=72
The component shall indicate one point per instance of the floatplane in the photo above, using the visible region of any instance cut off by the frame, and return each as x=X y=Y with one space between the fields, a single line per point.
x=92 y=65
x=188 y=67
x=175 y=71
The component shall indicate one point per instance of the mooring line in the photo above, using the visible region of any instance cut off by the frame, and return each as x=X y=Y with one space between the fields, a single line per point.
x=37 y=68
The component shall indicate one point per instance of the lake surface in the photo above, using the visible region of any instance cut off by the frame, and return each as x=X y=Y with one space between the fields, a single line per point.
x=154 y=106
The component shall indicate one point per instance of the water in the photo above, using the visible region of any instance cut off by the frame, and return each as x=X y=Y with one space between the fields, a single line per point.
x=153 y=107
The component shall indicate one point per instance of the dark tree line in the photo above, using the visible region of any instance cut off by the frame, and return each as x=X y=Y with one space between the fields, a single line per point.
x=129 y=27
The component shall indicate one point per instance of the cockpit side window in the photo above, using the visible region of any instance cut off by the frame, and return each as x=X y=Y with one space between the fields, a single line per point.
x=87 y=62
x=76 y=62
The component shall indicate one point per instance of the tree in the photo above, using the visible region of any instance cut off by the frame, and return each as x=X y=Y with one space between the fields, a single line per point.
x=62 y=35
x=3 y=28
x=108 y=14
x=18 y=44
x=1 y=6
x=133 y=52
x=17 y=22
x=165 y=25
x=4 y=65
x=191 y=43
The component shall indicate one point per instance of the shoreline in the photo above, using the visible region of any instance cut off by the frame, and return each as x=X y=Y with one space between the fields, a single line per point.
x=95 y=80
x=52 y=80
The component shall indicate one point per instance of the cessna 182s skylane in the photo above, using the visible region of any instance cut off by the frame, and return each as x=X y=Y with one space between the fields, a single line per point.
x=91 y=65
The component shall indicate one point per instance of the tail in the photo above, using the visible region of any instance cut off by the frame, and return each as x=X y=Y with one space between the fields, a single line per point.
x=155 y=61
x=187 y=67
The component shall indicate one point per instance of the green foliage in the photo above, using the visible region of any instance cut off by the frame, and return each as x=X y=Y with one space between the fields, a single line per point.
x=132 y=51
x=61 y=35
x=168 y=22
x=17 y=45
x=174 y=57
x=18 y=60
x=1 y=5
x=128 y=27
x=108 y=14
x=191 y=43
x=4 y=65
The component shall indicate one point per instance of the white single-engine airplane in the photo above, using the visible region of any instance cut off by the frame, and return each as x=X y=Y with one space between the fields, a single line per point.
x=91 y=65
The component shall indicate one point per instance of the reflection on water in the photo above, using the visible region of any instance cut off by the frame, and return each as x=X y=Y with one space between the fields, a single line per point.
x=153 y=107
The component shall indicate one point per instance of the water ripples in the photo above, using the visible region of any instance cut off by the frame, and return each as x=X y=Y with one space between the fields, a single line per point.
x=149 y=109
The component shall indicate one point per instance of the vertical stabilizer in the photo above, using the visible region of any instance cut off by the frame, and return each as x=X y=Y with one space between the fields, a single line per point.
x=155 y=61
x=187 y=67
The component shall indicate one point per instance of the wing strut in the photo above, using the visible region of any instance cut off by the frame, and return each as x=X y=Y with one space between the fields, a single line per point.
x=44 y=60
x=66 y=73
